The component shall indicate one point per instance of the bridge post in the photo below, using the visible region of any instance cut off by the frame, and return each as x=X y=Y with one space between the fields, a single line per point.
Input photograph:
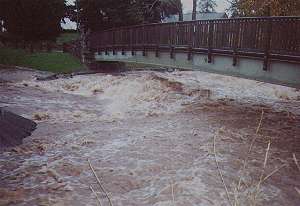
x=144 y=43
x=113 y=43
x=157 y=40
x=236 y=37
x=268 y=44
x=172 y=47
x=172 y=52
x=132 y=42
x=190 y=53
x=210 y=40
x=157 y=51
x=191 y=41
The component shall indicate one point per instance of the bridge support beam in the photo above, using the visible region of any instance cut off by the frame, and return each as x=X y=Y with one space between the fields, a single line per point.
x=279 y=72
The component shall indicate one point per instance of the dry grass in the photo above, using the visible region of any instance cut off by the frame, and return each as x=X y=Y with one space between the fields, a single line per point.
x=296 y=161
x=298 y=166
x=99 y=184
x=220 y=172
x=94 y=192
x=261 y=175
x=253 y=190
x=173 y=196
x=297 y=190
x=238 y=187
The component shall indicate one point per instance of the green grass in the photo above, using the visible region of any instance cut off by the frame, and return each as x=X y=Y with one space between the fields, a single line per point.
x=67 y=37
x=54 y=62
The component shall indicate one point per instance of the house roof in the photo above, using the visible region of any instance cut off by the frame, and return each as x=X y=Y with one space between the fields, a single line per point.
x=199 y=16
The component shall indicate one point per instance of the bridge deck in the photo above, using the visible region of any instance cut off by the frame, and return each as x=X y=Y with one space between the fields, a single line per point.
x=265 y=49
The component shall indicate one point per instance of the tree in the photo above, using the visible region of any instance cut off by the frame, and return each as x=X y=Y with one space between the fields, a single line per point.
x=194 y=14
x=234 y=9
x=207 y=6
x=265 y=7
x=101 y=15
x=174 y=7
x=33 y=20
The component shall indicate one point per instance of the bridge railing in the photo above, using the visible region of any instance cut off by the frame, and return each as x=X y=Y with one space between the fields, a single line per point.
x=261 y=37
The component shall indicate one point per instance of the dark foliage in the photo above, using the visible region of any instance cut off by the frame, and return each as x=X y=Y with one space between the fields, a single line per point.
x=100 y=15
x=32 y=20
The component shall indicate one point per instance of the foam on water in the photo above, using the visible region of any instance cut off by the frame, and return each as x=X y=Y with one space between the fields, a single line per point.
x=153 y=93
x=126 y=95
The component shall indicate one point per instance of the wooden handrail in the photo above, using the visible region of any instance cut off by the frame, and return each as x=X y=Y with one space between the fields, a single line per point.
x=273 y=36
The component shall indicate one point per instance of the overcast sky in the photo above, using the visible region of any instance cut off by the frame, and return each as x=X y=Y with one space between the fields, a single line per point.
x=222 y=5
x=188 y=5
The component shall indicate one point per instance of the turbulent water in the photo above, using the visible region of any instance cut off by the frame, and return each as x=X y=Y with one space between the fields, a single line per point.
x=153 y=93
x=149 y=137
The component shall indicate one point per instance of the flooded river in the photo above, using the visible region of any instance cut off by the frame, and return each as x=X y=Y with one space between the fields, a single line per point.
x=153 y=139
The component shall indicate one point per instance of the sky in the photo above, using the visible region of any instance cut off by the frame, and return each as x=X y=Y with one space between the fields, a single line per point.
x=222 y=5
x=188 y=5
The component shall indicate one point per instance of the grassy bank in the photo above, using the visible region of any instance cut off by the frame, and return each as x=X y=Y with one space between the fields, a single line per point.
x=54 y=62
x=67 y=37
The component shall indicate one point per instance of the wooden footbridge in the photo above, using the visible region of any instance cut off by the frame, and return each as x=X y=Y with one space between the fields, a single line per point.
x=265 y=49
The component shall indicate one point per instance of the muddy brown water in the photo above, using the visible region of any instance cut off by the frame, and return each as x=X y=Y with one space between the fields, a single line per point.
x=148 y=159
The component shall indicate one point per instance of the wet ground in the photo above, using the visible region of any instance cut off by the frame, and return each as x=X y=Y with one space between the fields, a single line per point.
x=150 y=138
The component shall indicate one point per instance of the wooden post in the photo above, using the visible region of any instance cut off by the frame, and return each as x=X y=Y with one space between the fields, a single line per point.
x=236 y=38
x=190 y=53
x=172 y=52
x=210 y=40
x=132 y=42
x=191 y=41
x=157 y=31
x=157 y=51
x=176 y=25
x=144 y=39
x=113 y=43
x=267 y=44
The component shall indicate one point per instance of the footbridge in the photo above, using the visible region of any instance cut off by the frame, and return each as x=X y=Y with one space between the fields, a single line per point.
x=265 y=49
